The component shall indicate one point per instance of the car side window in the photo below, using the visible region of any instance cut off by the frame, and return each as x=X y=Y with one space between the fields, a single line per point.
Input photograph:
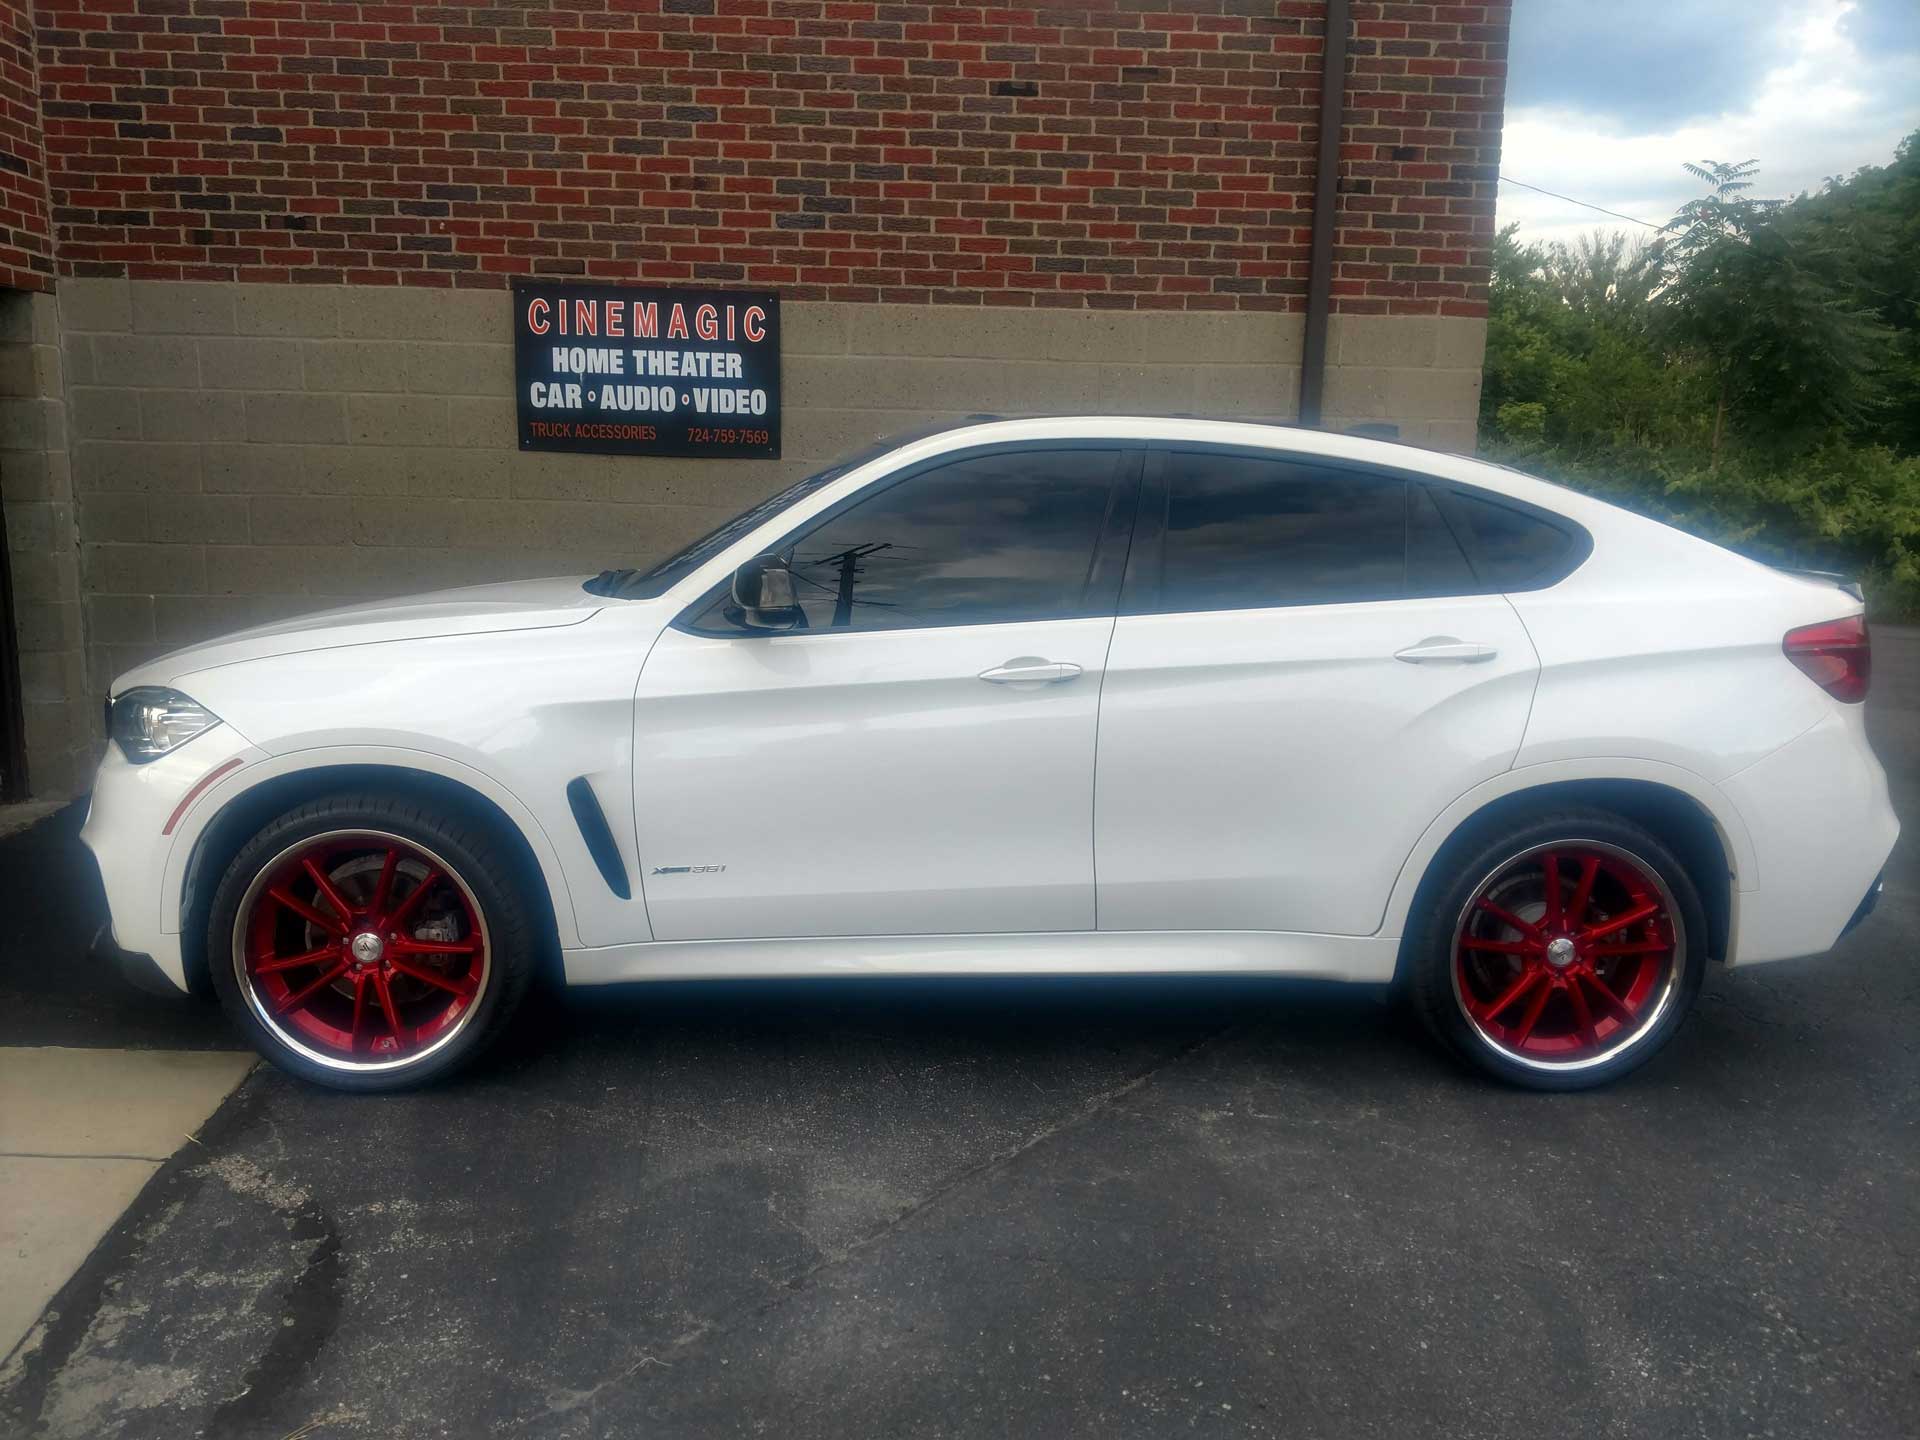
x=1513 y=548
x=1244 y=532
x=997 y=538
x=1436 y=565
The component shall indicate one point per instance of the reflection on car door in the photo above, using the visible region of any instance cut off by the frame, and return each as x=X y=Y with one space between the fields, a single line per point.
x=1301 y=678
x=919 y=758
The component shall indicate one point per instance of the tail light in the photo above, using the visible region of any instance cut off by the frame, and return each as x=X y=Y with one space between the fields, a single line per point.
x=1835 y=655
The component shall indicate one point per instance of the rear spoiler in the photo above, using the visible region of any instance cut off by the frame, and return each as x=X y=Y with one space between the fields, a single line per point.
x=1831 y=577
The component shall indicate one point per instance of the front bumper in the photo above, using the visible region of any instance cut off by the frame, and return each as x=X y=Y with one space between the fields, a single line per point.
x=133 y=824
x=139 y=971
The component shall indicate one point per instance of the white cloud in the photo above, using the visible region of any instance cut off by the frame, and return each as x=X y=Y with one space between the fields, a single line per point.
x=1821 y=108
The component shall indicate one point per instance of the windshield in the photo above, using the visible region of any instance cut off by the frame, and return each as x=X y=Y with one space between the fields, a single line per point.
x=663 y=576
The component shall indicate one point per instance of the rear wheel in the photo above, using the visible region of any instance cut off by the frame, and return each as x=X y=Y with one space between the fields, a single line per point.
x=1562 y=954
x=367 y=943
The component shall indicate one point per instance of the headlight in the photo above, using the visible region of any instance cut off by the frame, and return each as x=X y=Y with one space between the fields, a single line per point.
x=148 y=722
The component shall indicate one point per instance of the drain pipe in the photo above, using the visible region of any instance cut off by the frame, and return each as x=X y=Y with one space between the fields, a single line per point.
x=1326 y=198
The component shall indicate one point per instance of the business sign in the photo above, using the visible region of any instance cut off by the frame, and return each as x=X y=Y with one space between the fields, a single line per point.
x=627 y=370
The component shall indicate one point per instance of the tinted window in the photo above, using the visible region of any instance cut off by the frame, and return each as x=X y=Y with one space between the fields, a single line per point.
x=1247 y=533
x=997 y=538
x=1513 y=548
x=1435 y=563
x=665 y=574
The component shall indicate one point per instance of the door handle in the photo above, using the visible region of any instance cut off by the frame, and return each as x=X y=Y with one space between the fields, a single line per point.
x=1445 y=649
x=1030 y=670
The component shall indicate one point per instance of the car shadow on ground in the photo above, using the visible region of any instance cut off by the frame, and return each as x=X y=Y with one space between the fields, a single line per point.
x=1022 y=1011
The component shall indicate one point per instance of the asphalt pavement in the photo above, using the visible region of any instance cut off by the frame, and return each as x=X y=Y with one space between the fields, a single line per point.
x=1054 y=1209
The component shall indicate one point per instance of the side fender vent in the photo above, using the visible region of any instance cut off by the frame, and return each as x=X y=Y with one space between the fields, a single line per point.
x=592 y=821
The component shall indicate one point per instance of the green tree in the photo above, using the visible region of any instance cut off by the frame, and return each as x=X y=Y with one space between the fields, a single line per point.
x=1571 y=361
x=1753 y=375
x=1725 y=213
x=1765 y=308
x=1524 y=339
x=1873 y=219
x=1607 y=275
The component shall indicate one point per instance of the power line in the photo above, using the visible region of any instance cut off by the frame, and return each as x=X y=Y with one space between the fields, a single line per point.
x=1632 y=219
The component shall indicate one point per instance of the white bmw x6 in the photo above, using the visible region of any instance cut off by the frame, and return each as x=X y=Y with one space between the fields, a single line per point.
x=1071 y=696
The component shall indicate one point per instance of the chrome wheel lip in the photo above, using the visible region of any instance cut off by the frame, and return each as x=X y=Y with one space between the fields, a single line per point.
x=1657 y=1009
x=319 y=1057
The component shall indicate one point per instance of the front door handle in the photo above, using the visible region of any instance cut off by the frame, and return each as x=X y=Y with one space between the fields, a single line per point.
x=1445 y=649
x=1030 y=670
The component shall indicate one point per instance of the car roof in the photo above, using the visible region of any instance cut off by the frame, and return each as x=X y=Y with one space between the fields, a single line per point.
x=967 y=431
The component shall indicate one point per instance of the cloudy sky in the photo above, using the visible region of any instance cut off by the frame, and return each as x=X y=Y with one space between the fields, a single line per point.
x=1606 y=98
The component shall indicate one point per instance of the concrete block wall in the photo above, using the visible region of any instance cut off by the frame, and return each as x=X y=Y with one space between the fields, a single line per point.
x=243 y=452
x=36 y=491
x=1420 y=373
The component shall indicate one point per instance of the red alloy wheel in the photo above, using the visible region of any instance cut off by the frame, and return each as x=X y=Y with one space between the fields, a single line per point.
x=1567 y=954
x=361 y=949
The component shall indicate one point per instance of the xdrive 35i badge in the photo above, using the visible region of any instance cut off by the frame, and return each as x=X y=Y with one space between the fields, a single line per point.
x=688 y=869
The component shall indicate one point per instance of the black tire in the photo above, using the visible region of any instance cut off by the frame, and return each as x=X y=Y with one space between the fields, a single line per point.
x=428 y=833
x=1433 y=985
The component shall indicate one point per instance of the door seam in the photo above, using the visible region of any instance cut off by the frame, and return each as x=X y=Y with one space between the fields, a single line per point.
x=1140 y=453
x=1093 y=807
x=1533 y=696
x=633 y=781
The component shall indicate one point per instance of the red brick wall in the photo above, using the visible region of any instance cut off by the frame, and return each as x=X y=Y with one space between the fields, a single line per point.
x=26 y=232
x=1420 y=157
x=1131 y=154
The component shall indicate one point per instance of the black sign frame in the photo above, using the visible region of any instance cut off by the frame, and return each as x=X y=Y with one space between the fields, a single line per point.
x=646 y=370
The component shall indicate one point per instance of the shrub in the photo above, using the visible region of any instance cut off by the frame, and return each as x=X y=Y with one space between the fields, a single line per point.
x=1850 y=508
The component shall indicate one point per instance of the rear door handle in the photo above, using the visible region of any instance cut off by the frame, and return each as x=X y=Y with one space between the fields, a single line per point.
x=1444 y=649
x=1030 y=670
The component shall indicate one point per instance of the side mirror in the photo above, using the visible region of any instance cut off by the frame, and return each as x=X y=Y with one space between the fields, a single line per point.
x=763 y=593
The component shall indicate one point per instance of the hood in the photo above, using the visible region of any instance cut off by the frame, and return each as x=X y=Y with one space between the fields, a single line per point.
x=472 y=610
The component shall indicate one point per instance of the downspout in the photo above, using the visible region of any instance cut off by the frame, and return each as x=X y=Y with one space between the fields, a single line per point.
x=1326 y=197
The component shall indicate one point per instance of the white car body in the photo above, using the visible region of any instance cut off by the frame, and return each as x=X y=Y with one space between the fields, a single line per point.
x=1252 y=791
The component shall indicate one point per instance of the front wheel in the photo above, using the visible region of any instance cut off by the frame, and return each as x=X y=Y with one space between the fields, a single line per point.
x=1563 y=954
x=366 y=942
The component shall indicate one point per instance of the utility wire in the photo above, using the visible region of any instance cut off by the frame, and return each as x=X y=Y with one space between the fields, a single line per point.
x=1632 y=219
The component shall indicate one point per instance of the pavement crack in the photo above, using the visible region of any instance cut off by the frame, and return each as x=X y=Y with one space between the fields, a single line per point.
x=1093 y=1105
x=572 y=1400
x=309 y=1304
x=999 y=1160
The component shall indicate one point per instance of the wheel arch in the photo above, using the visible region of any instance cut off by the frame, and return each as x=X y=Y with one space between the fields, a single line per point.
x=241 y=814
x=1702 y=829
